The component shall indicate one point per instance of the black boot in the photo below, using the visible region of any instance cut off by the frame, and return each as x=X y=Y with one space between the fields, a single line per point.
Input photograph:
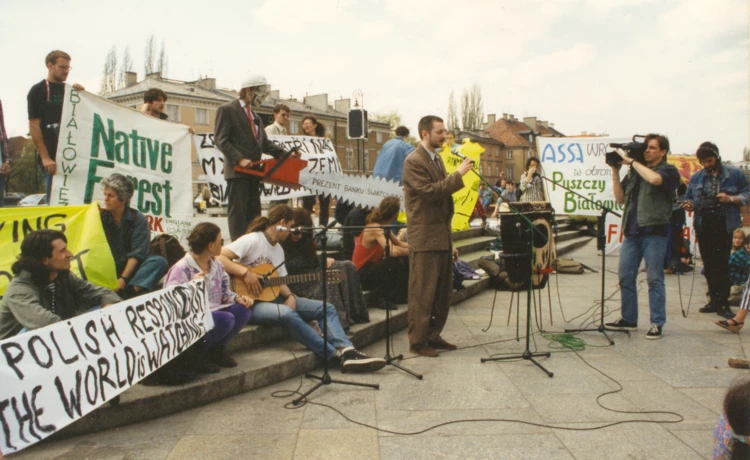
x=725 y=312
x=219 y=356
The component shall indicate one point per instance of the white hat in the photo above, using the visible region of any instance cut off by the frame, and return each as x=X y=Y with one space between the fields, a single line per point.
x=254 y=81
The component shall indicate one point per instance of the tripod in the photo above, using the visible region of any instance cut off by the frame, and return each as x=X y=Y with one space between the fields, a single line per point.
x=326 y=379
x=604 y=210
x=527 y=354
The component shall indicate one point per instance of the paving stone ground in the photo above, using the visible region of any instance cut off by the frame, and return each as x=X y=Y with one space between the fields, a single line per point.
x=685 y=372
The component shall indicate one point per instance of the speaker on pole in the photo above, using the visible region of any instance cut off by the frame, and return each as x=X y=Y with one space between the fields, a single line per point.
x=357 y=124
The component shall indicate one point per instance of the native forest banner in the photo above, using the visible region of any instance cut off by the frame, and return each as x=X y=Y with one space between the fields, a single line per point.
x=317 y=151
x=55 y=375
x=99 y=138
x=92 y=258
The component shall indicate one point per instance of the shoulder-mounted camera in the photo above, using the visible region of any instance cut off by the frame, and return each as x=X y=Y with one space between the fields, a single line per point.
x=635 y=149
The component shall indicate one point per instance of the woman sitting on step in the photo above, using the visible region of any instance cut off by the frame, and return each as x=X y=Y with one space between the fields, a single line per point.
x=389 y=277
x=230 y=311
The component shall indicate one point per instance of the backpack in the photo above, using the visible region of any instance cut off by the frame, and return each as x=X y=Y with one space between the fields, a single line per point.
x=568 y=266
x=167 y=246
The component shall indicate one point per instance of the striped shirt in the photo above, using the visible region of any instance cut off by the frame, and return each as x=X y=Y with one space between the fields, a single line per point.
x=533 y=189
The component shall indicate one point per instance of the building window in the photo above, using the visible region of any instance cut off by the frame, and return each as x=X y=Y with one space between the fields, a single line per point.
x=497 y=151
x=173 y=111
x=367 y=160
x=509 y=173
x=379 y=137
x=294 y=127
x=509 y=155
x=201 y=116
x=349 y=158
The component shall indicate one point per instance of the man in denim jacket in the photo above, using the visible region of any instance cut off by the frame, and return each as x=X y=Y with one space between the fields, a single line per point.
x=715 y=194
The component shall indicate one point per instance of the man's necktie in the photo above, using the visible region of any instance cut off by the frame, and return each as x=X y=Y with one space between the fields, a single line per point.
x=252 y=121
x=439 y=163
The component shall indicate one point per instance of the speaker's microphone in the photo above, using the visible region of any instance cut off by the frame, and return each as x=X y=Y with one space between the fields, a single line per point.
x=455 y=151
x=279 y=228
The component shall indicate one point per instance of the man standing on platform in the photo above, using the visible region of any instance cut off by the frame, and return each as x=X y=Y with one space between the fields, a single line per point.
x=429 y=209
x=647 y=192
x=240 y=136
x=45 y=102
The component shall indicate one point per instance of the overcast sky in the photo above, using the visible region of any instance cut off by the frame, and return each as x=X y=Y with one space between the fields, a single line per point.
x=618 y=66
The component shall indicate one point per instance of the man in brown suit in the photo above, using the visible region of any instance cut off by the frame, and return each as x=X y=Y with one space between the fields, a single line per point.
x=429 y=210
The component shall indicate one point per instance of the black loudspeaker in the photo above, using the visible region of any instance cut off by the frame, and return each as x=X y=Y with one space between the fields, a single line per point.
x=357 y=124
x=516 y=236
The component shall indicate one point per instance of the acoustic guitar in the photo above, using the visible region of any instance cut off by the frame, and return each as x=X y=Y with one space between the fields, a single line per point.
x=271 y=282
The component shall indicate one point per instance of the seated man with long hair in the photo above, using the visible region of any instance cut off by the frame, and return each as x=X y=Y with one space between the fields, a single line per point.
x=388 y=276
x=43 y=290
x=260 y=246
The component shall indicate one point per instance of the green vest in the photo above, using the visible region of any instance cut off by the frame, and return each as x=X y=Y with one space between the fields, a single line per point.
x=654 y=203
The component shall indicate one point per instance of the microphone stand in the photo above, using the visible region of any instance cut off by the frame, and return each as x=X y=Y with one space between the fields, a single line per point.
x=326 y=379
x=604 y=210
x=527 y=354
x=389 y=359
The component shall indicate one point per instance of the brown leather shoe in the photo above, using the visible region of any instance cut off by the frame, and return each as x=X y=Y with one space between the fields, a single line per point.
x=441 y=344
x=424 y=350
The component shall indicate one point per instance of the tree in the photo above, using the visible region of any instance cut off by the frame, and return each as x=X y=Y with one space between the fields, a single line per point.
x=393 y=118
x=126 y=66
x=149 y=55
x=476 y=106
x=452 y=124
x=109 y=76
x=162 y=62
x=745 y=154
x=465 y=112
x=25 y=176
x=472 y=109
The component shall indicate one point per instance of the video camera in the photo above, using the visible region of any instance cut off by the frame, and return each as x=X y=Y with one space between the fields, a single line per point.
x=636 y=150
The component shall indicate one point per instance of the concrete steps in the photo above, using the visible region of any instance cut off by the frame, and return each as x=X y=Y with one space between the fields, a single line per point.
x=265 y=355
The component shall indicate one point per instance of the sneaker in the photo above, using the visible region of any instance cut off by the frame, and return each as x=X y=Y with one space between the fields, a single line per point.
x=353 y=360
x=654 y=333
x=621 y=324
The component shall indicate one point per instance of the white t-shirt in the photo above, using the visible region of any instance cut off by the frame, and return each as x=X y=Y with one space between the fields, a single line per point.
x=254 y=249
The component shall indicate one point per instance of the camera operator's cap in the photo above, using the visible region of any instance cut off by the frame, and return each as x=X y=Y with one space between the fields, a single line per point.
x=255 y=81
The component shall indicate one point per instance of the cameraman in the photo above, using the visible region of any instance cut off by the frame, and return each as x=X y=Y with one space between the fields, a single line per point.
x=716 y=193
x=647 y=192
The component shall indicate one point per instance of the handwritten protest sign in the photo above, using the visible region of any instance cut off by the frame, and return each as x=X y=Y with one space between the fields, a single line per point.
x=614 y=236
x=318 y=151
x=578 y=163
x=55 y=375
x=92 y=258
x=99 y=137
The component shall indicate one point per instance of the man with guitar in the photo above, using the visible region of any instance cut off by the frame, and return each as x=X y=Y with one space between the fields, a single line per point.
x=255 y=261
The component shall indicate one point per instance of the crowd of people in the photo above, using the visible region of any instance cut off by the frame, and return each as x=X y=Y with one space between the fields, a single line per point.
x=376 y=255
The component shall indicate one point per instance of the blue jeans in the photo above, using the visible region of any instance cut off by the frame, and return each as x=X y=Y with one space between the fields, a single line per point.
x=150 y=272
x=48 y=183
x=295 y=323
x=633 y=250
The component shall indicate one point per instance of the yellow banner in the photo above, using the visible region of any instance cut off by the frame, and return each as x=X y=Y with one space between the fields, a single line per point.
x=687 y=165
x=92 y=258
x=465 y=199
